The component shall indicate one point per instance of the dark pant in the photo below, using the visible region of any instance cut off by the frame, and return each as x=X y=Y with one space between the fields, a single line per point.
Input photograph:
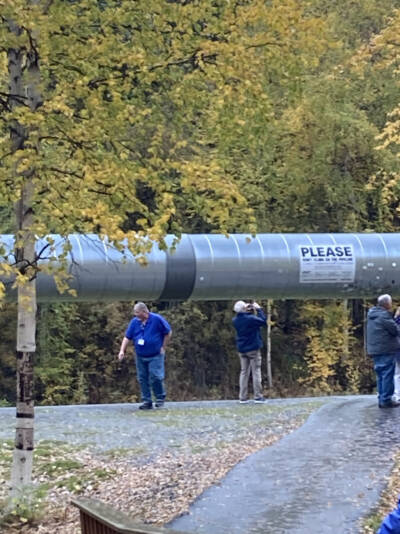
x=150 y=371
x=384 y=365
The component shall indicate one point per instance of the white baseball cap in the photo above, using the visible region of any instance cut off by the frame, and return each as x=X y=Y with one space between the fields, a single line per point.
x=239 y=306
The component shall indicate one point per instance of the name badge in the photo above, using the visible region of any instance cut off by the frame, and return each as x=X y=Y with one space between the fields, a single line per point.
x=140 y=341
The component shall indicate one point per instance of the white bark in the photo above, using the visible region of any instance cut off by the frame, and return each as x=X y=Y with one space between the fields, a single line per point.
x=24 y=75
x=26 y=327
x=21 y=473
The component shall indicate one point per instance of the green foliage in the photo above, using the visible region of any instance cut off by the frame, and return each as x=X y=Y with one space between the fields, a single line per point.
x=354 y=22
x=379 y=60
x=162 y=117
x=373 y=522
x=77 y=352
x=55 y=359
x=330 y=342
x=27 y=506
x=57 y=465
x=207 y=357
x=7 y=355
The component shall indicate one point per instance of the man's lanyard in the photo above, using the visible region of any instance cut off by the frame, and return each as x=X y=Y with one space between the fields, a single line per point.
x=141 y=339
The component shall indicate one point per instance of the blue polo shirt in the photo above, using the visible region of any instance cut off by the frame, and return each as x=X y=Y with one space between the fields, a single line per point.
x=152 y=333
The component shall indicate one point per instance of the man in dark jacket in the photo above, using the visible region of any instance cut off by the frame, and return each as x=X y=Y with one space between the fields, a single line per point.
x=383 y=344
x=247 y=322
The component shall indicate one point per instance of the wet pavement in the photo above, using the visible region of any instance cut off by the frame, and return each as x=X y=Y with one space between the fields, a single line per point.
x=321 y=479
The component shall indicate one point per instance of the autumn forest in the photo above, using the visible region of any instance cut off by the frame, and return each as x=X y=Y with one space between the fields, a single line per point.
x=134 y=119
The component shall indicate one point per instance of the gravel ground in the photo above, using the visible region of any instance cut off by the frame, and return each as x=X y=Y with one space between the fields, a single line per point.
x=158 y=462
x=321 y=476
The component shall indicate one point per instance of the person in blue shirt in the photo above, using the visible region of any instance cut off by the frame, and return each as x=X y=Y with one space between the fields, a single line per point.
x=391 y=523
x=248 y=321
x=150 y=334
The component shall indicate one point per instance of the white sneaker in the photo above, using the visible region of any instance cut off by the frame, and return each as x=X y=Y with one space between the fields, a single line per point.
x=244 y=401
x=260 y=400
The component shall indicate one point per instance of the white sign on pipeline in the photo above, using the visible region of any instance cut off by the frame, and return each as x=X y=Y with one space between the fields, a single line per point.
x=327 y=263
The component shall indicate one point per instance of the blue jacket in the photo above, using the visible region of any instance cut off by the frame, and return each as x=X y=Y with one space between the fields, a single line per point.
x=382 y=332
x=148 y=338
x=391 y=523
x=248 y=336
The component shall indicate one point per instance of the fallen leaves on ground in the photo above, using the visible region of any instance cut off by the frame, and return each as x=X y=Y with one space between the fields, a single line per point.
x=158 y=488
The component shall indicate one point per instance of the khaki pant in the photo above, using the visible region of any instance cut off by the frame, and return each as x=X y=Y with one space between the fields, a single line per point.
x=250 y=361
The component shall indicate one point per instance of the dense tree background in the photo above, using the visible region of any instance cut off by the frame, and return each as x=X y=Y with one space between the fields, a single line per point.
x=306 y=125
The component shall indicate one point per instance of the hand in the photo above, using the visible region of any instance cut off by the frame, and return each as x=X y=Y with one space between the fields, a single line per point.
x=162 y=350
x=121 y=356
x=397 y=312
x=256 y=306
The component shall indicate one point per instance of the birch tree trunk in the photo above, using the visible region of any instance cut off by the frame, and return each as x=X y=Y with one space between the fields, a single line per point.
x=23 y=67
x=21 y=472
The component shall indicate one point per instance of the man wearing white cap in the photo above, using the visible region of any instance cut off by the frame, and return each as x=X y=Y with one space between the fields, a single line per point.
x=247 y=322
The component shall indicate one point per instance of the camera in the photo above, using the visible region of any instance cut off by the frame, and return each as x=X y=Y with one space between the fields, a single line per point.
x=249 y=308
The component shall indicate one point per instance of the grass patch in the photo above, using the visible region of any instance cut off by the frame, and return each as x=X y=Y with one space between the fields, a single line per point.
x=119 y=452
x=387 y=502
x=199 y=449
x=78 y=483
x=28 y=506
x=239 y=416
x=6 y=451
x=242 y=410
x=56 y=465
x=373 y=522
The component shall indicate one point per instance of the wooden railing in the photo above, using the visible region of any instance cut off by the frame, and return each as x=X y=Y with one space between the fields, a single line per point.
x=101 y=518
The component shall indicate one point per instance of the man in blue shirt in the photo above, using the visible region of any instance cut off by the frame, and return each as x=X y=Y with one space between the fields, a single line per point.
x=247 y=322
x=150 y=334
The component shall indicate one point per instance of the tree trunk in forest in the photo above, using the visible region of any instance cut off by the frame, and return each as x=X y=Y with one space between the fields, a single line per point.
x=24 y=77
x=269 y=371
x=346 y=347
x=21 y=472
x=365 y=310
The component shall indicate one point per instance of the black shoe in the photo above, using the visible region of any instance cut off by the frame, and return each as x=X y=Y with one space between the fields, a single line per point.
x=391 y=404
x=146 y=406
x=159 y=404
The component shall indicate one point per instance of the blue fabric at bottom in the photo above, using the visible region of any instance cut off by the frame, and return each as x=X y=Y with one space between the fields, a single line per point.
x=150 y=371
x=384 y=365
x=391 y=523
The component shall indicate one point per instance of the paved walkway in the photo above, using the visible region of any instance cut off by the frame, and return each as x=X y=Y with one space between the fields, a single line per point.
x=320 y=479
